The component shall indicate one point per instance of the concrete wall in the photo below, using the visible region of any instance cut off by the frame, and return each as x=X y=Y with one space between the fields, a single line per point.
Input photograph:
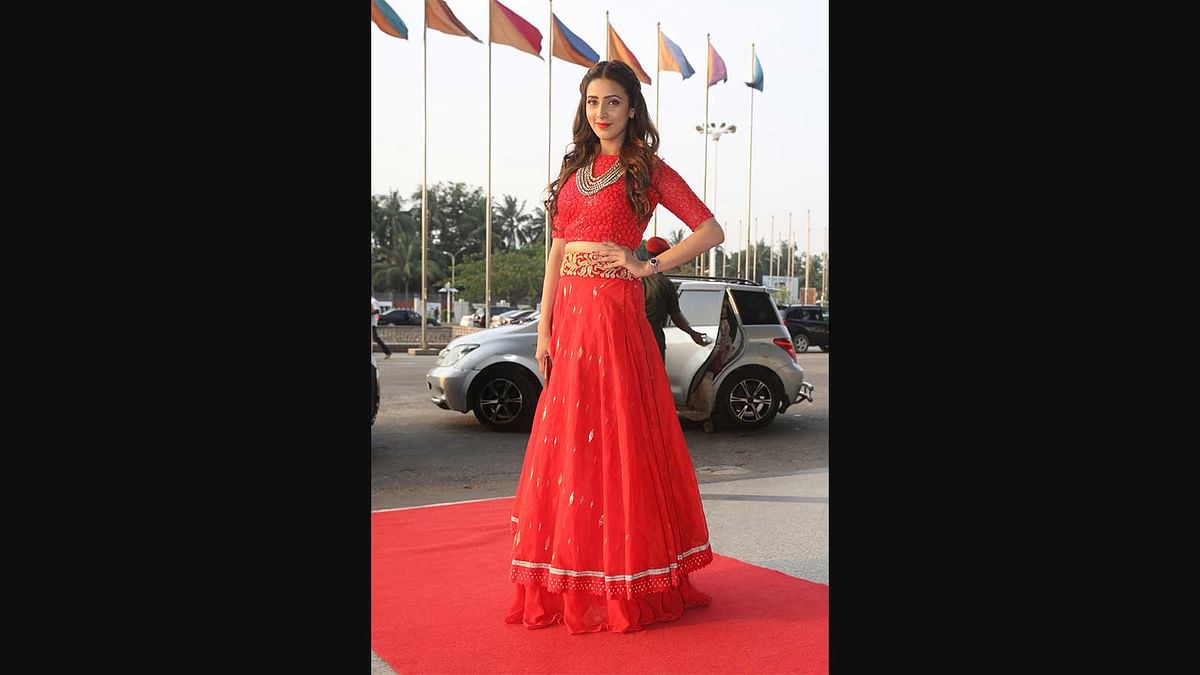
x=403 y=337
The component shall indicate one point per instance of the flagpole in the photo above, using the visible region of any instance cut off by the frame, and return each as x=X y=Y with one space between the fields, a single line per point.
x=424 y=167
x=607 y=35
x=487 y=205
x=707 y=84
x=756 y=247
x=750 y=164
x=657 y=95
x=825 y=268
x=771 y=248
x=549 y=129
x=791 y=251
x=807 y=256
x=741 y=266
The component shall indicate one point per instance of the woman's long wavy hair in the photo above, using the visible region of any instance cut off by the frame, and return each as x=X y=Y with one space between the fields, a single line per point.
x=637 y=151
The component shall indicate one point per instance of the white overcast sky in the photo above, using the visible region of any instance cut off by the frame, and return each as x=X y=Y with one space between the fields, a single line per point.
x=791 y=115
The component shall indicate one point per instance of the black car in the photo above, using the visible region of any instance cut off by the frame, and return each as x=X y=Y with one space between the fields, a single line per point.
x=405 y=317
x=808 y=325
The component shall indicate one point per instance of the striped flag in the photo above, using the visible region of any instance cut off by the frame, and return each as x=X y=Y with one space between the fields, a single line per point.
x=387 y=20
x=757 y=81
x=716 y=67
x=510 y=29
x=670 y=57
x=619 y=52
x=569 y=47
x=439 y=17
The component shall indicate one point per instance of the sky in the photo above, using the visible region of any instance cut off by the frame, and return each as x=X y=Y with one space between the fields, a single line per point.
x=790 y=125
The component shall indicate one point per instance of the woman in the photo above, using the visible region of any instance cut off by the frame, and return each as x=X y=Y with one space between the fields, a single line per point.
x=700 y=403
x=607 y=523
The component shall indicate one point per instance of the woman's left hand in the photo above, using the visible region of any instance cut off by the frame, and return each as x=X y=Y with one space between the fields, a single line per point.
x=614 y=255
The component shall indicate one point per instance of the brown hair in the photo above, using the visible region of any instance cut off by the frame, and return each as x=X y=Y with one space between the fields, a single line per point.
x=637 y=151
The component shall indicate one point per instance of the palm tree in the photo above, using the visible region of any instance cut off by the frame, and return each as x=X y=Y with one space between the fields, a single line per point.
x=513 y=223
x=401 y=265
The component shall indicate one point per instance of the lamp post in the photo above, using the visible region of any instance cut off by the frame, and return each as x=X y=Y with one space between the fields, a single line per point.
x=714 y=131
x=449 y=300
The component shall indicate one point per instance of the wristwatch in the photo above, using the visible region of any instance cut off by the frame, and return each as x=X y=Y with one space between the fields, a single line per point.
x=654 y=265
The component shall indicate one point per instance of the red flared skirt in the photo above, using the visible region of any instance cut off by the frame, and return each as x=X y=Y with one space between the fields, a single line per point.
x=607 y=522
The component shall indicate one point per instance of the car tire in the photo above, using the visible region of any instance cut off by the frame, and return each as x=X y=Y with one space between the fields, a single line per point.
x=800 y=342
x=504 y=398
x=749 y=398
x=825 y=348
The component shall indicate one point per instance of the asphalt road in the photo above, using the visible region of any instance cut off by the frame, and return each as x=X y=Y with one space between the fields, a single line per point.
x=421 y=454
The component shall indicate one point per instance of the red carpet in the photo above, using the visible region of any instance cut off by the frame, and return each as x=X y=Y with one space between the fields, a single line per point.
x=440 y=589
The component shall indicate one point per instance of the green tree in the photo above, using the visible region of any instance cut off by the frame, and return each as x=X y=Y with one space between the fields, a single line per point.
x=389 y=221
x=511 y=224
x=400 y=266
x=516 y=276
x=456 y=217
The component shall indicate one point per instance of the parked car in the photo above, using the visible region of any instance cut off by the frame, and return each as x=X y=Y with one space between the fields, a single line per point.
x=502 y=318
x=515 y=317
x=529 y=317
x=808 y=325
x=476 y=318
x=405 y=317
x=493 y=373
x=374 y=389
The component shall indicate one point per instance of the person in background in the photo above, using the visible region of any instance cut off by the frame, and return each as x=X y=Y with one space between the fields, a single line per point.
x=700 y=400
x=662 y=301
x=387 y=353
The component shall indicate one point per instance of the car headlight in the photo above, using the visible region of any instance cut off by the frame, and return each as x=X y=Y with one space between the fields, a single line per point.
x=451 y=355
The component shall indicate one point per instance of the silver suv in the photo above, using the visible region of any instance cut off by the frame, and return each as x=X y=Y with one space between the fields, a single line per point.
x=493 y=373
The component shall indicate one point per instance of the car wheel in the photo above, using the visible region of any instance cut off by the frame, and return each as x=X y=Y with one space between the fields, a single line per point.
x=800 y=342
x=749 y=398
x=505 y=398
x=825 y=348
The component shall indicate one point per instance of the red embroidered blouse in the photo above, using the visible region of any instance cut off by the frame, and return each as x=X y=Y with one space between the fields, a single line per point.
x=606 y=216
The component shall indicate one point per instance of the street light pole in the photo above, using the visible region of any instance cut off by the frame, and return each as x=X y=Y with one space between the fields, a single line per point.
x=715 y=132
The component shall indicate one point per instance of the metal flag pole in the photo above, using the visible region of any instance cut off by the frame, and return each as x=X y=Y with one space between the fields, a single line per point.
x=791 y=251
x=825 y=268
x=549 y=130
x=424 y=170
x=750 y=175
x=807 y=256
x=657 y=96
x=487 y=205
x=771 y=246
x=707 y=77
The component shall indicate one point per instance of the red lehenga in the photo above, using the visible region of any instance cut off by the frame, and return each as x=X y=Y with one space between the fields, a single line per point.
x=607 y=523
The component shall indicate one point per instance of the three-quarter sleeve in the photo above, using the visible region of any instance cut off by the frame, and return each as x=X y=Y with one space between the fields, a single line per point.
x=673 y=192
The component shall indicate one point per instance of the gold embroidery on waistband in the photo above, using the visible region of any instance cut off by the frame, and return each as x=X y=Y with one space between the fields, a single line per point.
x=586 y=264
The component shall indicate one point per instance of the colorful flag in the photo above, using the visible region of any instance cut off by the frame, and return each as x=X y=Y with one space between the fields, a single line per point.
x=439 y=17
x=387 y=20
x=510 y=29
x=716 y=67
x=757 y=82
x=568 y=46
x=670 y=57
x=619 y=52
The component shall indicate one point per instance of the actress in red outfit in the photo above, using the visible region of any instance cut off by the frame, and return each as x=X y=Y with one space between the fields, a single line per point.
x=607 y=523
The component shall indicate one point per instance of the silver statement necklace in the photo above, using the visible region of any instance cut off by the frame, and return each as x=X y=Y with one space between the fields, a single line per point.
x=589 y=186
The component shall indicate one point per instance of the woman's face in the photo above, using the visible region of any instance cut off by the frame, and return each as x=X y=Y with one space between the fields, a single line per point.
x=607 y=107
